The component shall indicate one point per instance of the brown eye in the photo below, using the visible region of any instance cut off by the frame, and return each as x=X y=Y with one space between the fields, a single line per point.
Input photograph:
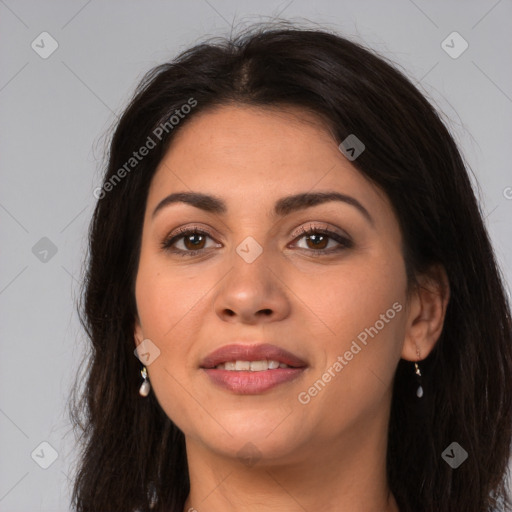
x=317 y=241
x=196 y=241
x=193 y=241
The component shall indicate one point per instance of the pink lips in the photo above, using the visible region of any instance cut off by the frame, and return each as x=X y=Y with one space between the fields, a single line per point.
x=238 y=352
x=249 y=382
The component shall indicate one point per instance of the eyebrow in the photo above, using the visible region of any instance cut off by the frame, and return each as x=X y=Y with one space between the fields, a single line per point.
x=283 y=206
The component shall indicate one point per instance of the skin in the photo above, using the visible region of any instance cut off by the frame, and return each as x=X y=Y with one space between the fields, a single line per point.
x=312 y=456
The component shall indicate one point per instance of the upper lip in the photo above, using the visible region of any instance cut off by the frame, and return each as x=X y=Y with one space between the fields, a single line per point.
x=240 y=352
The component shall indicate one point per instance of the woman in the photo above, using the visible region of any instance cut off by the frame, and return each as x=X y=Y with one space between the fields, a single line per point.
x=292 y=299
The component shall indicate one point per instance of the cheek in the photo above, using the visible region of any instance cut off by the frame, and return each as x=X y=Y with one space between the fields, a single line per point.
x=167 y=297
x=171 y=310
x=345 y=301
x=361 y=333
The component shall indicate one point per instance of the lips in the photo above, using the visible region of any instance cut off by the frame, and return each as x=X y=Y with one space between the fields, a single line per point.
x=239 y=352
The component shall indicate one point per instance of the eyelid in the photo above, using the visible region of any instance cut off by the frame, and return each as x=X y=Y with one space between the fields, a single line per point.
x=182 y=232
x=342 y=240
x=296 y=232
x=340 y=237
x=321 y=226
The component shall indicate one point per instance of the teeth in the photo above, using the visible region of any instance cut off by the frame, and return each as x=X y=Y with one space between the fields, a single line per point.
x=242 y=365
x=257 y=366
x=253 y=366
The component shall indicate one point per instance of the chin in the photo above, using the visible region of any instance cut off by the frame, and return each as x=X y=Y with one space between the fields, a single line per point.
x=260 y=441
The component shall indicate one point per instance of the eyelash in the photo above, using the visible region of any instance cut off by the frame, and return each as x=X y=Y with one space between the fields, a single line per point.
x=344 y=242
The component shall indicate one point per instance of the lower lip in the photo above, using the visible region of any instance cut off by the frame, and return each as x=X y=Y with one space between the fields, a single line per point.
x=252 y=383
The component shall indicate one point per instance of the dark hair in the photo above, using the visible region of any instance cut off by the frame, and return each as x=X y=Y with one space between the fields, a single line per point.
x=133 y=456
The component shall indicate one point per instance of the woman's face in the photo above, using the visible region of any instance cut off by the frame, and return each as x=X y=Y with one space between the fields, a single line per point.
x=257 y=279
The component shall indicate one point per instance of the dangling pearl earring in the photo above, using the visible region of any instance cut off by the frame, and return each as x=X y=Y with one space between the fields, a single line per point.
x=419 y=391
x=145 y=386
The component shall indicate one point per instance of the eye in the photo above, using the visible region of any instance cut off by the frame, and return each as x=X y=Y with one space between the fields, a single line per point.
x=317 y=239
x=193 y=241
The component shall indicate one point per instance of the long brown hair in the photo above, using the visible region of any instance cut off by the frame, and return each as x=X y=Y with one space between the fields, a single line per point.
x=132 y=455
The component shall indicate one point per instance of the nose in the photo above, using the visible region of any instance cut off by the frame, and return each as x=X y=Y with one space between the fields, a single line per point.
x=252 y=293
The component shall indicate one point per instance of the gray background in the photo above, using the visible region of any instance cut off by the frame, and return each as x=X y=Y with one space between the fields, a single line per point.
x=54 y=113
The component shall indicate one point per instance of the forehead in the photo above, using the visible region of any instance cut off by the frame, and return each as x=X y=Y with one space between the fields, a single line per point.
x=249 y=154
x=236 y=132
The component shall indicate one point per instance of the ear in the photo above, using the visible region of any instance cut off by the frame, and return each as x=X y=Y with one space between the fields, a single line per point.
x=137 y=332
x=426 y=313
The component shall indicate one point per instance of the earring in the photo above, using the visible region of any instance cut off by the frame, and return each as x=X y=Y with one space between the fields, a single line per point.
x=419 y=391
x=145 y=386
